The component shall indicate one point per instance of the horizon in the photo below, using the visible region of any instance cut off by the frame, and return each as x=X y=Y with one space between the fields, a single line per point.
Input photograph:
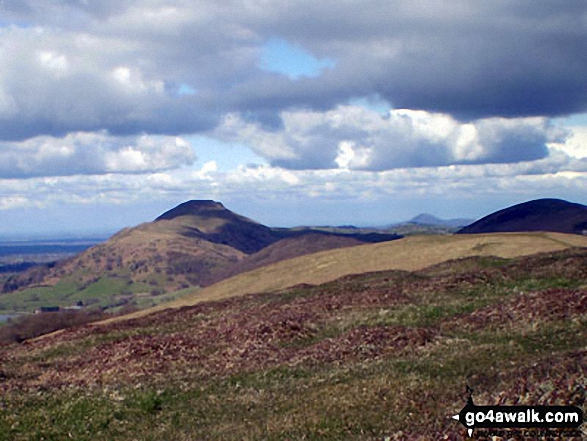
x=318 y=114
x=82 y=235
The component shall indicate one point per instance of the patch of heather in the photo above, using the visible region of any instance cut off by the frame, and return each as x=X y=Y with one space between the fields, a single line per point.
x=365 y=343
x=568 y=264
x=554 y=380
x=523 y=309
x=232 y=342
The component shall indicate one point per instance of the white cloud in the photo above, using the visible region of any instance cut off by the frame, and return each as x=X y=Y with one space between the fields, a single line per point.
x=92 y=153
x=265 y=175
x=207 y=172
x=209 y=167
x=576 y=143
x=284 y=197
x=349 y=155
x=132 y=81
x=355 y=137
x=55 y=62
x=11 y=202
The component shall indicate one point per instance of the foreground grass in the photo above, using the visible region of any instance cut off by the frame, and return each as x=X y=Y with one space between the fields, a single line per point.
x=364 y=357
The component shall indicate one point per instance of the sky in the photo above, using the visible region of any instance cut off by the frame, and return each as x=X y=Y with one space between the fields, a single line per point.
x=288 y=112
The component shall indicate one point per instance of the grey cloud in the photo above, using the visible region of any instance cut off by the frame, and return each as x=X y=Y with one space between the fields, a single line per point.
x=472 y=60
x=508 y=58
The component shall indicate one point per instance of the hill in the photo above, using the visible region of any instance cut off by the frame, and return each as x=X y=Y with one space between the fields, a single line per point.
x=539 y=215
x=408 y=254
x=211 y=221
x=189 y=246
x=375 y=356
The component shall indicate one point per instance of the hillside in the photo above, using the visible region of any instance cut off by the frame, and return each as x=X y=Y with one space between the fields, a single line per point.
x=375 y=356
x=289 y=248
x=189 y=246
x=539 y=215
x=408 y=254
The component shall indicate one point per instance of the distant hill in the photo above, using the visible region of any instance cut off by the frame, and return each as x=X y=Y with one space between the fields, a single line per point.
x=192 y=245
x=429 y=219
x=539 y=215
x=427 y=224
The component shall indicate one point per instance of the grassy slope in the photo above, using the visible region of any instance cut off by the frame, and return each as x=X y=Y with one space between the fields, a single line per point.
x=288 y=248
x=362 y=357
x=411 y=253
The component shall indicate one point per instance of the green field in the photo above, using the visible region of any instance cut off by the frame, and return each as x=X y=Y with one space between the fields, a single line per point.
x=105 y=292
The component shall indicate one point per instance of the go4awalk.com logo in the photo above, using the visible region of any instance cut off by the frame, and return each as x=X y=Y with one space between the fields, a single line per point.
x=517 y=417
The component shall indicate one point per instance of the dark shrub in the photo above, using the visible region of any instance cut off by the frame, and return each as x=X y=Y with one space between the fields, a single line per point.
x=35 y=325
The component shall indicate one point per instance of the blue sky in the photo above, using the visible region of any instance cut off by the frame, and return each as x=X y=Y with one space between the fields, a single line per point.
x=280 y=56
x=361 y=113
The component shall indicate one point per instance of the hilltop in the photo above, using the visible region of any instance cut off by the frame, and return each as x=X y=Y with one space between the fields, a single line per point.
x=539 y=215
x=201 y=243
x=428 y=224
x=211 y=221
x=429 y=219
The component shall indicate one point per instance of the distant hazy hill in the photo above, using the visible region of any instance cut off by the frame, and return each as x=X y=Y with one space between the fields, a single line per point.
x=429 y=219
x=191 y=245
x=539 y=215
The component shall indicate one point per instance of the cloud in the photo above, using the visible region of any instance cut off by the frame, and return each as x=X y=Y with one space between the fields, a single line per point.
x=97 y=98
x=57 y=81
x=92 y=153
x=576 y=143
x=357 y=138
x=280 y=197
x=509 y=58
